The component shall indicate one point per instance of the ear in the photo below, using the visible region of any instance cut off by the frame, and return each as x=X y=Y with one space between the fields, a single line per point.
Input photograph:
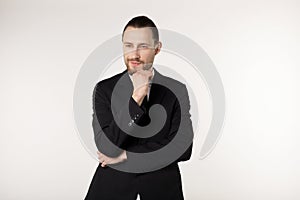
x=158 y=47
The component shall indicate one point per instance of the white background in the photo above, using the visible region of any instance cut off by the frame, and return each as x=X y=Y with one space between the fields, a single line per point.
x=254 y=45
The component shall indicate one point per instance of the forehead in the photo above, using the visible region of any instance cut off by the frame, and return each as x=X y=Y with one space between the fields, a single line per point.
x=138 y=35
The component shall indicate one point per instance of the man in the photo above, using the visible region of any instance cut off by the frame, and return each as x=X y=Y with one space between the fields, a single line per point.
x=122 y=122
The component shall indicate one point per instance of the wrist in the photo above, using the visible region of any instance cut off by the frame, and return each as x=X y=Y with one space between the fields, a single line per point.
x=138 y=98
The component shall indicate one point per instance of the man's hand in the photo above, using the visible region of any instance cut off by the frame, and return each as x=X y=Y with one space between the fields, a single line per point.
x=105 y=160
x=140 y=81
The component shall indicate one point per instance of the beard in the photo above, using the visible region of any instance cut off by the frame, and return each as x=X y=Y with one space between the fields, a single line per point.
x=144 y=66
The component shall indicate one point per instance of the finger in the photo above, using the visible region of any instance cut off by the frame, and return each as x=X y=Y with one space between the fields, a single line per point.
x=103 y=164
x=101 y=157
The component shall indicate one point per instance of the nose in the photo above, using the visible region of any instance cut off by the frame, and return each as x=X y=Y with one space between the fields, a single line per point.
x=135 y=54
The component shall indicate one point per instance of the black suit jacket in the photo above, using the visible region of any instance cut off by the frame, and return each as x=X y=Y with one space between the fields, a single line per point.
x=105 y=111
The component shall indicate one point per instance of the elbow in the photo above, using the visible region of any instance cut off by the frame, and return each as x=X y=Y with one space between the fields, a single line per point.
x=186 y=155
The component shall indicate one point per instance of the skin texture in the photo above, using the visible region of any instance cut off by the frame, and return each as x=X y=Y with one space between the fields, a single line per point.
x=139 y=51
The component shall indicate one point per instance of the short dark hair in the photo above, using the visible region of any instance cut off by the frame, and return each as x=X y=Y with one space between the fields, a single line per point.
x=143 y=22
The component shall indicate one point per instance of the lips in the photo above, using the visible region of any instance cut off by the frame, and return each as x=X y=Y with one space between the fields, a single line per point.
x=135 y=63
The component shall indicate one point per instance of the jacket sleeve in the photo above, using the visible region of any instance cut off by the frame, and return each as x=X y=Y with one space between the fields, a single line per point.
x=109 y=138
x=180 y=117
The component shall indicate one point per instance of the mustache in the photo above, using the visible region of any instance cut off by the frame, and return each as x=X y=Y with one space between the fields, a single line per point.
x=135 y=59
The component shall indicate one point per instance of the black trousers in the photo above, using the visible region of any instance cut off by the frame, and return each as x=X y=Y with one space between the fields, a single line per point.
x=111 y=184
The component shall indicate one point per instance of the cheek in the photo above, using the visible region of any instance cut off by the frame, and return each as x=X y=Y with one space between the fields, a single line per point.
x=125 y=57
x=147 y=56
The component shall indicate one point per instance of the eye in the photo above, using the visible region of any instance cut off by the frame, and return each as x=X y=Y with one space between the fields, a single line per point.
x=127 y=45
x=144 y=46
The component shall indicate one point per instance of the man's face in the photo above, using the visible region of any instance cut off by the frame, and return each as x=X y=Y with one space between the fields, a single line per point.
x=139 y=49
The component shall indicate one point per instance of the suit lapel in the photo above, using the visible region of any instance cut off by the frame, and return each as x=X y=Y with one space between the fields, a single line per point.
x=157 y=90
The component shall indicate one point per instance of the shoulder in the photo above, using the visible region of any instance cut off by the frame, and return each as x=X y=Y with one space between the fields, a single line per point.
x=110 y=82
x=169 y=83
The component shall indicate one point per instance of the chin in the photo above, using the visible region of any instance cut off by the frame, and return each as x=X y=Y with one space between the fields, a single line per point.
x=131 y=70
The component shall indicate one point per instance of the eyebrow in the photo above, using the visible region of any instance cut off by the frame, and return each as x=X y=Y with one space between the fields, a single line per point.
x=144 y=43
x=138 y=44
